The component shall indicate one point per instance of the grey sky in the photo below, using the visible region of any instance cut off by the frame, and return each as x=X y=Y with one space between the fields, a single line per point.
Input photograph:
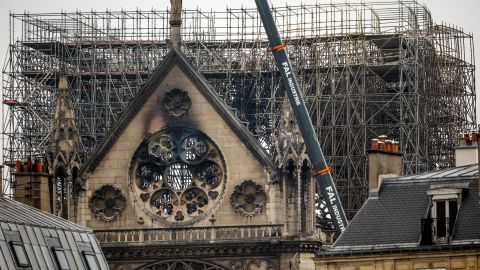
x=463 y=13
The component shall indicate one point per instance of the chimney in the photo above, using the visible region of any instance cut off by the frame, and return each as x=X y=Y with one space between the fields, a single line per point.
x=31 y=184
x=384 y=161
x=466 y=152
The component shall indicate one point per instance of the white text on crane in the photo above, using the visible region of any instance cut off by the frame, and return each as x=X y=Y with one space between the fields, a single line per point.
x=336 y=211
x=291 y=84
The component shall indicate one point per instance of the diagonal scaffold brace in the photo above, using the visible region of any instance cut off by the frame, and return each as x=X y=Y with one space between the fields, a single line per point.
x=314 y=151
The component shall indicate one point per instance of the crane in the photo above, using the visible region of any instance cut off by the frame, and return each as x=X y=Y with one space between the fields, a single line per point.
x=321 y=170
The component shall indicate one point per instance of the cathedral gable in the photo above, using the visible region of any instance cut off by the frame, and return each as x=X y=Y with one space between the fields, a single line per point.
x=177 y=157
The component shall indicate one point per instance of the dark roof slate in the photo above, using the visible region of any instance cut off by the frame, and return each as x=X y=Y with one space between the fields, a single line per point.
x=177 y=57
x=467 y=227
x=393 y=219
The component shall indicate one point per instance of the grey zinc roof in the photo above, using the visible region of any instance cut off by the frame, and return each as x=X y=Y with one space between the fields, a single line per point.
x=40 y=233
x=393 y=219
x=18 y=213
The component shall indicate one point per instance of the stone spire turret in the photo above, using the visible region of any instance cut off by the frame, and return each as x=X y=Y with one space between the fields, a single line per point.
x=289 y=144
x=298 y=184
x=65 y=152
x=175 y=22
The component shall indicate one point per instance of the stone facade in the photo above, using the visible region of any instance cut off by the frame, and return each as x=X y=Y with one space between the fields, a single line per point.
x=114 y=168
x=229 y=216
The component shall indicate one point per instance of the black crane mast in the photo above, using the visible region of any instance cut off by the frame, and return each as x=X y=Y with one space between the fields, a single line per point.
x=314 y=151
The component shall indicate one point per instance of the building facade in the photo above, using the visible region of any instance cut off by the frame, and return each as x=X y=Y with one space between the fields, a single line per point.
x=425 y=221
x=180 y=182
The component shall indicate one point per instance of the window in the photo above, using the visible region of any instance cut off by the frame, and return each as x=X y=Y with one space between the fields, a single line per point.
x=178 y=175
x=90 y=260
x=61 y=259
x=19 y=254
x=443 y=213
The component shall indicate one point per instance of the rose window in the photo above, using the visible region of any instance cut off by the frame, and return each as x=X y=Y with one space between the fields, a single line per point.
x=178 y=175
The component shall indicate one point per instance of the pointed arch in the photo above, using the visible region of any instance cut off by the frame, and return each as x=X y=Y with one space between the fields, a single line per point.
x=61 y=191
x=290 y=171
x=182 y=265
x=306 y=193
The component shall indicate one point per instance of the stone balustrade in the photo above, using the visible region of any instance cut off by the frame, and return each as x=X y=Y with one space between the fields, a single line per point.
x=218 y=233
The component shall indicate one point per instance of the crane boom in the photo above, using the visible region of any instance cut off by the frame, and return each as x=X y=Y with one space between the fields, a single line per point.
x=314 y=151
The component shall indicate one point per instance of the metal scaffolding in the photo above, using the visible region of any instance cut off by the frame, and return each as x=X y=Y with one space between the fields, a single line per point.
x=366 y=69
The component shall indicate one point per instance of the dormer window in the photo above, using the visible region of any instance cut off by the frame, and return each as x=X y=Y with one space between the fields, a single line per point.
x=61 y=259
x=90 y=260
x=20 y=255
x=443 y=213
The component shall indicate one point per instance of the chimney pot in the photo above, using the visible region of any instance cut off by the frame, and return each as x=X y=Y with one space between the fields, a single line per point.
x=463 y=140
x=381 y=146
x=374 y=144
x=473 y=138
x=395 y=148
x=18 y=166
x=388 y=146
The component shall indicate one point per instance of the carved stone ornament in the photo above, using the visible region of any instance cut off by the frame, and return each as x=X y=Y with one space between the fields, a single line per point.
x=122 y=266
x=107 y=203
x=248 y=199
x=255 y=264
x=178 y=175
x=182 y=265
x=260 y=264
x=237 y=265
x=176 y=103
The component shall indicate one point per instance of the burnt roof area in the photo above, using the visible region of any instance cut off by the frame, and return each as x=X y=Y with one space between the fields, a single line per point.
x=32 y=239
x=408 y=213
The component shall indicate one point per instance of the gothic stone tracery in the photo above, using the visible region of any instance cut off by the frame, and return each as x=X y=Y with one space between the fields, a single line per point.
x=177 y=175
x=248 y=198
x=107 y=203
